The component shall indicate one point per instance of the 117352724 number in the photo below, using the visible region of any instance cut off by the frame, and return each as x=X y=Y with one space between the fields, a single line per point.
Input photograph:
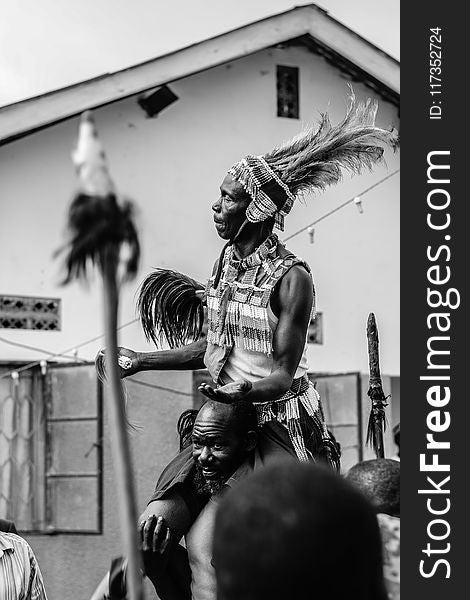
x=435 y=72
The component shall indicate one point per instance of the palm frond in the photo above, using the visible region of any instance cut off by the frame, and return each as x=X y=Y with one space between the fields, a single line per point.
x=170 y=308
x=101 y=371
x=97 y=226
x=89 y=159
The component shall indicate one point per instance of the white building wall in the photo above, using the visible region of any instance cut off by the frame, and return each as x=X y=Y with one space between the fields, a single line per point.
x=172 y=166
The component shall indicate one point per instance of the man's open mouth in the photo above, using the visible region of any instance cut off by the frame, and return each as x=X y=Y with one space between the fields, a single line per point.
x=210 y=474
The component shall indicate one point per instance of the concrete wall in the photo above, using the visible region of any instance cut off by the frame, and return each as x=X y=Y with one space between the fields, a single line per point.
x=172 y=166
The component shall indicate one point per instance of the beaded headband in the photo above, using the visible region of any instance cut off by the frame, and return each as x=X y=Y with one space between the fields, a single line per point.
x=270 y=196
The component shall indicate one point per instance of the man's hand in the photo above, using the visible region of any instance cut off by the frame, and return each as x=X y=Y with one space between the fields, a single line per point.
x=155 y=536
x=127 y=360
x=237 y=390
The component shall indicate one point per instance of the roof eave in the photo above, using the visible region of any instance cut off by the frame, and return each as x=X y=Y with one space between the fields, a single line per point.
x=23 y=118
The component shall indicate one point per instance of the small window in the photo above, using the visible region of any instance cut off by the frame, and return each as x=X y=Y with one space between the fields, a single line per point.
x=28 y=312
x=288 y=92
x=50 y=444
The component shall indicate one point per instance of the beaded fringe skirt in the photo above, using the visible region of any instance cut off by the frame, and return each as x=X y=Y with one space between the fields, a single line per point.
x=300 y=411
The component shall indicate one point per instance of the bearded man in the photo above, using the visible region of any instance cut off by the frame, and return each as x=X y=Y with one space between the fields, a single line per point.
x=223 y=443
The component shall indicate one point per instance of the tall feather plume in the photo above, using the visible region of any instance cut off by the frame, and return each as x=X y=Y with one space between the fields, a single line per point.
x=315 y=158
x=170 y=308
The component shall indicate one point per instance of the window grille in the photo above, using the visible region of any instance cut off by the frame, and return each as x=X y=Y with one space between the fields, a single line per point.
x=25 y=312
x=287 y=92
x=341 y=396
x=50 y=449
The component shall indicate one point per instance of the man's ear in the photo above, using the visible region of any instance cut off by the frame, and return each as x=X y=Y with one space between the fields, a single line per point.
x=251 y=441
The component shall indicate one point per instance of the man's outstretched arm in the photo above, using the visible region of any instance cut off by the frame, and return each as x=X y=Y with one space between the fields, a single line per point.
x=185 y=358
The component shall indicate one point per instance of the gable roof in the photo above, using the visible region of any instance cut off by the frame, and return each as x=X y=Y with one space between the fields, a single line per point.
x=309 y=25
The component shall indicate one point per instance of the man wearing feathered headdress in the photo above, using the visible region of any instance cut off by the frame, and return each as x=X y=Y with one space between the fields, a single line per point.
x=260 y=297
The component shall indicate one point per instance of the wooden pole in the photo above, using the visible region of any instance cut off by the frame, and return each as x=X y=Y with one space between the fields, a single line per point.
x=98 y=227
x=377 y=421
x=119 y=440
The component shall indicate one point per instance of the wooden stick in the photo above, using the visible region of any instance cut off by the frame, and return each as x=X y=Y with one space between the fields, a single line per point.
x=119 y=440
x=377 y=423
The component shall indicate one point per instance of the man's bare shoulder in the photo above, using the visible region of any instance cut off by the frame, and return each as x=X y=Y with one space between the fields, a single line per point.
x=293 y=292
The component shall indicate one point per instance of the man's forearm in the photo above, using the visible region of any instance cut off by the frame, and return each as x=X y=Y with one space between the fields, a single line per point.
x=270 y=388
x=190 y=357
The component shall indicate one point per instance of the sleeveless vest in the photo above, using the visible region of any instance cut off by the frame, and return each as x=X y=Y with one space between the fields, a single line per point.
x=237 y=309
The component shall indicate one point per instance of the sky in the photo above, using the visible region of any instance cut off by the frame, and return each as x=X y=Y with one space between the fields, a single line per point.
x=49 y=44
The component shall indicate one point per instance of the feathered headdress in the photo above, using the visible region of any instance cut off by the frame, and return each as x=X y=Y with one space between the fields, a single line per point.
x=312 y=160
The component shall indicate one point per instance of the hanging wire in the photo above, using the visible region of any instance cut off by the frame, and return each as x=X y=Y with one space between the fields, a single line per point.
x=43 y=364
x=158 y=387
x=36 y=349
x=56 y=354
x=331 y=212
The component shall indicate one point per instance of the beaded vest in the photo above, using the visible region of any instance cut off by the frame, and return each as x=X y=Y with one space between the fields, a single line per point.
x=238 y=308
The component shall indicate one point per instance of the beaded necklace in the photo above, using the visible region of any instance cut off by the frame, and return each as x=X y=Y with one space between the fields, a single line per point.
x=238 y=307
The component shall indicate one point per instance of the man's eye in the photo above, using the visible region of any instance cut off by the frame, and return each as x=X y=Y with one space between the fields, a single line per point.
x=217 y=447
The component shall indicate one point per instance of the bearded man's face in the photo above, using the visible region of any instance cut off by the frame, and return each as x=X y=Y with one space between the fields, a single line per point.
x=218 y=447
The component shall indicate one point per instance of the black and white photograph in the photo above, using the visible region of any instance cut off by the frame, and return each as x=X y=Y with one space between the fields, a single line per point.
x=201 y=334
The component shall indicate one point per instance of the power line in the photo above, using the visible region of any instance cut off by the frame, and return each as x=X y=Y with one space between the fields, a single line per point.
x=55 y=354
x=35 y=348
x=84 y=360
x=331 y=212
x=158 y=387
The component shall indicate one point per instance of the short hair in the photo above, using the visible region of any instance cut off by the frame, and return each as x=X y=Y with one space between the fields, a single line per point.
x=379 y=480
x=243 y=417
x=297 y=530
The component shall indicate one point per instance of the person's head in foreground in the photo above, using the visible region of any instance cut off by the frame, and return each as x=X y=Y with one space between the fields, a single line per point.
x=379 y=480
x=297 y=530
x=223 y=437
